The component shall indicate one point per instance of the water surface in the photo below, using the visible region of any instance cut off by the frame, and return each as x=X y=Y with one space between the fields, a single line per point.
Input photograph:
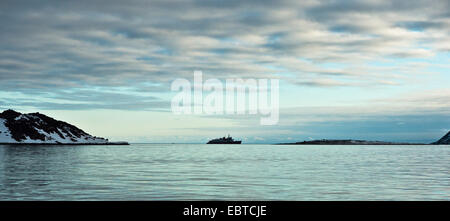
x=224 y=172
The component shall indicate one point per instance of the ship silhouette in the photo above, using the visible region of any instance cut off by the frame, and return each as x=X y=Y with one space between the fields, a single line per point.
x=224 y=140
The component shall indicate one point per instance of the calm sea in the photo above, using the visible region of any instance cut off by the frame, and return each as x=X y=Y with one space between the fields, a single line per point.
x=224 y=172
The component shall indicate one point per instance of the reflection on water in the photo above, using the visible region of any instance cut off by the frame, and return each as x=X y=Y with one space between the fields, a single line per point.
x=224 y=172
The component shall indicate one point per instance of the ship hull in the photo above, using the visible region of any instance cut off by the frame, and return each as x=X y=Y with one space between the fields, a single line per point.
x=233 y=142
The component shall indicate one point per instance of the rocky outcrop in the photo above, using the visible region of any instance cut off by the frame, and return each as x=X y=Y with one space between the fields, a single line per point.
x=444 y=140
x=36 y=128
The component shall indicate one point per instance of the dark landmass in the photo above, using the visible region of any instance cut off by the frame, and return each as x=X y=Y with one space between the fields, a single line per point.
x=37 y=128
x=444 y=140
x=73 y=144
x=347 y=142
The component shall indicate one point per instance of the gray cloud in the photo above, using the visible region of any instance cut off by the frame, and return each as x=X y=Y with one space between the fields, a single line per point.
x=50 y=46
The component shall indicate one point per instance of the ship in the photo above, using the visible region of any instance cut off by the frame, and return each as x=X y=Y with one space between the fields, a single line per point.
x=224 y=140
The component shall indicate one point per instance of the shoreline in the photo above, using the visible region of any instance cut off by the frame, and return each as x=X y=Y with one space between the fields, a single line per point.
x=68 y=144
x=354 y=144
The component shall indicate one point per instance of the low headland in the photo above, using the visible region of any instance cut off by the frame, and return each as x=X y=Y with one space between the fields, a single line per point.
x=445 y=140
x=348 y=142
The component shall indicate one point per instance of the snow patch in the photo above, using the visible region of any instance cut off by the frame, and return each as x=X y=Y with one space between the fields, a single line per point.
x=5 y=135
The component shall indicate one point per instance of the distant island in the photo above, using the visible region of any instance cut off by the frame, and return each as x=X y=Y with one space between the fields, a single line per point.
x=37 y=128
x=347 y=142
x=444 y=140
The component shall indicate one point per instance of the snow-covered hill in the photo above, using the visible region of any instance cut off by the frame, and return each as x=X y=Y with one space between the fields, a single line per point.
x=36 y=128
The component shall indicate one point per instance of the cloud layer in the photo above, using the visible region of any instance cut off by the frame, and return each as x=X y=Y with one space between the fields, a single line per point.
x=48 y=45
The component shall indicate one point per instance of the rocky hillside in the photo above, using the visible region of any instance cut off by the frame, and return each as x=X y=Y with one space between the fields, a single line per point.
x=35 y=128
x=444 y=140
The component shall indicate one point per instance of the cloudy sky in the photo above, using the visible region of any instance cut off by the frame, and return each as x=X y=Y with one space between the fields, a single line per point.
x=371 y=69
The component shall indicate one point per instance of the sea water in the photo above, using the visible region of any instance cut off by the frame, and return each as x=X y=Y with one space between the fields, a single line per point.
x=225 y=172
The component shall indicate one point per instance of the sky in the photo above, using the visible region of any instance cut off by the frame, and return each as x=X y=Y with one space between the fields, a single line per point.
x=374 y=69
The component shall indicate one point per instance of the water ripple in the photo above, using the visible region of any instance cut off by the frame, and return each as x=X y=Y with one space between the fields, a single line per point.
x=224 y=172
